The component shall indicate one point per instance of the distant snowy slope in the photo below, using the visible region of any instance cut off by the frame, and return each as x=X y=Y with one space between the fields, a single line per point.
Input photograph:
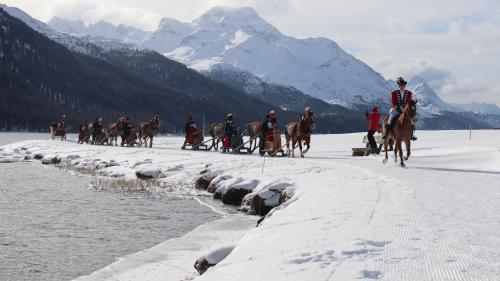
x=78 y=43
x=99 y=29
x=480 y=108
x=429 y=101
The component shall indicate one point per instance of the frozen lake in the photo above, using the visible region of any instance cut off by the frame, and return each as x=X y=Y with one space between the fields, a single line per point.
x=54 y=227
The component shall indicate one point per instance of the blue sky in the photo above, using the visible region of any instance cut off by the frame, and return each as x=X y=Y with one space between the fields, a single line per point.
x=453 y=44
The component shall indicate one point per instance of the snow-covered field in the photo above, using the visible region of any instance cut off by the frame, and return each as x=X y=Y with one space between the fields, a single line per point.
x=349 y=219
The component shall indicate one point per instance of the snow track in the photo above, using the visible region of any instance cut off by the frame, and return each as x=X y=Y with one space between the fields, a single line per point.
x=350 y=219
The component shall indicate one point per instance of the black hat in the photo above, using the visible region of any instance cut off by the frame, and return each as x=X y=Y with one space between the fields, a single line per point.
x=401 y=81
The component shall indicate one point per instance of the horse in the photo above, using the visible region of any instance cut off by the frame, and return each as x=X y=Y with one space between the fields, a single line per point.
x=298 y=132
x=115 y=130
x=85 y=134
x=102 y=137
x=131 y=139
x=217 y=133
x=147 y=130
x=58 y=131
x=402 y=131
x=254 y=132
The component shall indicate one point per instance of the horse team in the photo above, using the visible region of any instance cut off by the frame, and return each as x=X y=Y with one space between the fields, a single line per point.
x=297 y=133
x=93 y=133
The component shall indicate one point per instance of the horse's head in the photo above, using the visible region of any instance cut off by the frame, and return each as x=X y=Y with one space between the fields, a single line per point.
x=156 y=120
x=309 y=122
x=410 y=110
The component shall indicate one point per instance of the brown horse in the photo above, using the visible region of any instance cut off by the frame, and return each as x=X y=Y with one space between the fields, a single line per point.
x=85 y=134
x=59 y=132
x=131 y=139
x=402 y=132
x=254 y=131
x=298 y=132
x=217 y=133
x=147 y=130
x=115 y=130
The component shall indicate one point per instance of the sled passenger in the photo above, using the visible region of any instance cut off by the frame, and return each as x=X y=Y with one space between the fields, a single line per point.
x=97 y=125
x=268 y=125
x=229 y=128
x=127 y=129
x=190 y=131
x=399 y=99
x=373 y=118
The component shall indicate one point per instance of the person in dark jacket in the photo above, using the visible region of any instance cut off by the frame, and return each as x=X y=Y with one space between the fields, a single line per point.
x=84 y=126
x=374 y=119
x=229 y=128
x=97 y=126
x=270 y=123
x=127 y=129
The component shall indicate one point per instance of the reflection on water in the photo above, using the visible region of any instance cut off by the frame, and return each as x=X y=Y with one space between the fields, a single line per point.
x=53 y=227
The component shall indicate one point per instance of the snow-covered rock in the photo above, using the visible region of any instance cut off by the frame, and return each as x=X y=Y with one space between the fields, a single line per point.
x=213 y=258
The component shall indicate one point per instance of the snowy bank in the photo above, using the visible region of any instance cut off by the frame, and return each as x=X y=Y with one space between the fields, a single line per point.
x=342 y=218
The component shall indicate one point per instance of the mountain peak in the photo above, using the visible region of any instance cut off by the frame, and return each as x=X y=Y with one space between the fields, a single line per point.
x=218 y=12
x=234 y=18
x=418 y=80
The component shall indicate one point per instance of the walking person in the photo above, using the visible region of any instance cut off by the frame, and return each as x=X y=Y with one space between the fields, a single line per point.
x=374 y=119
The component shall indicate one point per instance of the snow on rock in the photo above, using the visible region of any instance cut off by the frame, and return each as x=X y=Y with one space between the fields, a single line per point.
x=212 y=259
x=213 y=186
x=148 y=171
x=232 y=194
x=204 y=180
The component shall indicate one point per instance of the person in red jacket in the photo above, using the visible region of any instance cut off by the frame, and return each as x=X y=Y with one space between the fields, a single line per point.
x=399 y=99
x=374 y=118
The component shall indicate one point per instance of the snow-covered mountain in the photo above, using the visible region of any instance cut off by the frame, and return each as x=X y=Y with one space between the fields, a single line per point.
x=81 y=43
x=429 y=102
x=480 y=108
x=102 y=29
x=241 y=38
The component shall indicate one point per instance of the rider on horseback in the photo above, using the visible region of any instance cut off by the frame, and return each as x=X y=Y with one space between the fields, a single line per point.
x=62 y=122
x=268 y=125
x=84 y=126
x=399 y=99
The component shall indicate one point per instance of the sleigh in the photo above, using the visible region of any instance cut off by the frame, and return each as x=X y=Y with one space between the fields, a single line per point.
x=235 y=144
x=367 y=150
x=272 y=145
x=195 y=141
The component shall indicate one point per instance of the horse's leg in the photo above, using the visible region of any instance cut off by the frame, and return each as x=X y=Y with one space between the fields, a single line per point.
x=408 y=152
x=386 y=143
x=294 y=142
x=400 y=148
x=396 y=151
x=151 y=142
x=300 y=149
